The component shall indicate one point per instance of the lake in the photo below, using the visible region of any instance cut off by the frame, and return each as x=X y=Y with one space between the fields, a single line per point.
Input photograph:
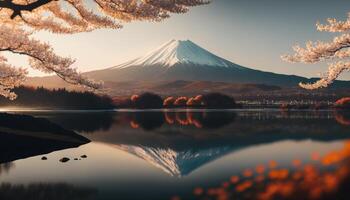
x=189 y=154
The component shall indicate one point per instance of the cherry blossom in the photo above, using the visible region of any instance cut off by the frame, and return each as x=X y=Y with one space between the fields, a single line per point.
x=337 y=51
x=20 y=18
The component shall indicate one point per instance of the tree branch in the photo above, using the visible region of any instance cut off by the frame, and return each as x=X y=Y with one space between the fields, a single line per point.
x=18 y=8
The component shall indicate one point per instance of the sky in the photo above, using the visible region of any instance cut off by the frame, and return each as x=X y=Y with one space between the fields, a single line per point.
x=252 y=33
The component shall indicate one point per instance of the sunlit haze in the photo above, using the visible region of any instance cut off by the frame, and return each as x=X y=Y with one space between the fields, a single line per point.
x=250 y=33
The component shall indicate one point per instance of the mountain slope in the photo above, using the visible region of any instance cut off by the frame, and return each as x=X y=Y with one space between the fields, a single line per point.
x=175 y=52
x=179 y=61
x=184 y=60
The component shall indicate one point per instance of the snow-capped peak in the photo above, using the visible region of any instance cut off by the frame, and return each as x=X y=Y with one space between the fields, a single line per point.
x=175 y=52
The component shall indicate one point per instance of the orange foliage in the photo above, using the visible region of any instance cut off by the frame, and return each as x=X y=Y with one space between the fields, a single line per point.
x=169 y=101
x=244 y=186
x=279 y=174
x=296 y=163
x=260 y=169
x=195 y=101
x=248 y=173
x=134 y=97
x=273 y=164
x=304 y=182
x=198 y=191
x=134 y=125
x=234 y=179
x=181 y=101
x=343 y=101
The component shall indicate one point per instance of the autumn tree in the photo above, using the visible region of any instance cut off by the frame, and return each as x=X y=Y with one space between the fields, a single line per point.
x=337 y=51
x=20 y=18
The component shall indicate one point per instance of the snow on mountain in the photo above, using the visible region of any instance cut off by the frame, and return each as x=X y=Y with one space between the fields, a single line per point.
x=175 y=163
x=186 y=61
x=176 y=52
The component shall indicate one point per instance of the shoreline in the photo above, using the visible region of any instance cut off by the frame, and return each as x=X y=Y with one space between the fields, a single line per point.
x=267 y=109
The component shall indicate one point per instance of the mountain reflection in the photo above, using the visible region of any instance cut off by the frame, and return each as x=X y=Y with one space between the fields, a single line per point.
x=180 y=142
x=176 y=163
x=45 y=191
x=214 y=154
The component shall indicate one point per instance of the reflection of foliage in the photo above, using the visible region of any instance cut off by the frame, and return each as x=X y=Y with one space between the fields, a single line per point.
x=343 y=117
x=210 y=120
x=148 y=120
x=29 y=123
x=43 y=191
x=84 y=122
x=326 y=177
x=200 y=119
x=216 y=119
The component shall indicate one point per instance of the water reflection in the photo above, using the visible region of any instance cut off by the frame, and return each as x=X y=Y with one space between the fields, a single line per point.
x=23 y=136
x=6 y=167
x=45 y=191
x=86 y=122
x=325 y=177
x=171 y=141
x=342 y=117
x=146 y=120
x=206 y=154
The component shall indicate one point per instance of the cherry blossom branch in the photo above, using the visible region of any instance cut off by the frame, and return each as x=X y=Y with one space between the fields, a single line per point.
x=67 y=17
x=329 y=77
x=314 y=52
x=335 y=25
x=18 y=8
x=320 y=51
x=41 y=57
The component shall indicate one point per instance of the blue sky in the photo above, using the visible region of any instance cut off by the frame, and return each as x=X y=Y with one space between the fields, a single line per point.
x=252 y=33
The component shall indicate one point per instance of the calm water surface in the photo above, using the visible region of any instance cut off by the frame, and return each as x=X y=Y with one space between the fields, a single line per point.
x=191 y=155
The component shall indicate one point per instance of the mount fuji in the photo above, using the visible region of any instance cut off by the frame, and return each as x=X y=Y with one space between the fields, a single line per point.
x=183 y=66
x=186 y=61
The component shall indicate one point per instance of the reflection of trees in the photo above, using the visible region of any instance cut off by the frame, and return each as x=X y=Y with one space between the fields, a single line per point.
x=323 y=178
x=209 y=120
x=342 y=117
x=23 y=136
x=148 y=120
x=6 y=167
x=45 y=191
x=84 y=122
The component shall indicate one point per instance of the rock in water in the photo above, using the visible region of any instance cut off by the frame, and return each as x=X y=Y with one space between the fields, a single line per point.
x=65 y=159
